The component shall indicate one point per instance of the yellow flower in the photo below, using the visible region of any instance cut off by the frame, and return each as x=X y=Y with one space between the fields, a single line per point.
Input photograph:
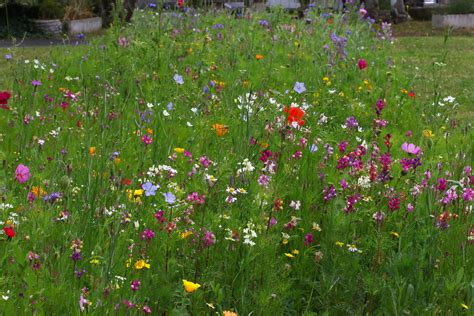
x=339 y=244
x=395 y=234
x=135 y=194
x=128 y=262
x=179 y=150
x=295 y=252
x=284 y=241
x=94 y=261
x=186 y=234
x=140 y=264
x=428 y=133
x=117 y=161
x=289 y=255
x=190 y=286
x=464 y=306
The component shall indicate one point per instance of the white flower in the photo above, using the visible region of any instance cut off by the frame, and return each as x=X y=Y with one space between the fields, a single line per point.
x=364 y=182
x=165 y=113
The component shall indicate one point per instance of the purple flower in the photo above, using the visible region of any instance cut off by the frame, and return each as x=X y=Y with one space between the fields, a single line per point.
x=8 y=56
x=148 y=234
x=264 y=180
x=36 y=83
x=53 y=197
x=308 y=239
x=329 y=193
x=170 y=198
x=467 y=194
x=299 y=87
x=83 y=303
x=76 y=256
x=218 y=26
x=351 y=123
x=209 y=239
x=178 y=79
x=378 y=217
x=135 y=285
x=150 y=188
x=170 y=106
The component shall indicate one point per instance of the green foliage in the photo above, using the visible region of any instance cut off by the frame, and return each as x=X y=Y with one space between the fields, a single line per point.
x=460 y=7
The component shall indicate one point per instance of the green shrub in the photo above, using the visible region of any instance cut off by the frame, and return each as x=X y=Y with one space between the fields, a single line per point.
x=461 y=7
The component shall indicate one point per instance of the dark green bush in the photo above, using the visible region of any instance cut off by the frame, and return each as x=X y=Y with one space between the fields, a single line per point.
x=461 y=7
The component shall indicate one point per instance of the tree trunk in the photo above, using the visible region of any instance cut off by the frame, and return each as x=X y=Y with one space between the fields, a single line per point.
x=373 y=8
x=399 y=12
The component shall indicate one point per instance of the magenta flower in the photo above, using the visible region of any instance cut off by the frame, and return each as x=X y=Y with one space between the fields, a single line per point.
x=308 y=239
x=135 y=285
x=148 y=234
x=209 y=239
x=411 y=149
x=22 y=173
x=362 y=64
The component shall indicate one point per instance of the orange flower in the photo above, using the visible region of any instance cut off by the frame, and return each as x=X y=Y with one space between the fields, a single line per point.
x=220 y=129
x=92 y=151
x=229 y=313
x=258 y=57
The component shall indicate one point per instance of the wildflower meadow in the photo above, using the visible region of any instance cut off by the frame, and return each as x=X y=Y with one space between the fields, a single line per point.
x=194 y=163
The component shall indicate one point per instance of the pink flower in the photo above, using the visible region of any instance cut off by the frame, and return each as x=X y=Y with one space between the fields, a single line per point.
x=22 y=173
x=362 y=64
x=411 y=149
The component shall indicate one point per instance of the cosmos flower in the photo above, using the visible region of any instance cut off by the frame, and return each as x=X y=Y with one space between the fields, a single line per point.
x=22 y=173
x=411 y=149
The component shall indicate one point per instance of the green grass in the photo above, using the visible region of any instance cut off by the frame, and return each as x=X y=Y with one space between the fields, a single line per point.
x=289 y=201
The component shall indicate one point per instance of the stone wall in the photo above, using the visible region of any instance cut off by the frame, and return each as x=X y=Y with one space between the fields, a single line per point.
x=455 y=20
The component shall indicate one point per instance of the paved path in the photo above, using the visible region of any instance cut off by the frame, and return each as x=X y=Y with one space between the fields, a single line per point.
x=42 y=42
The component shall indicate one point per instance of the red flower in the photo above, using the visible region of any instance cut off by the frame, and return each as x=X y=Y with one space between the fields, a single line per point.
x=362 y=64
x=295 y=115
x=411 y=94
x=4 y=96
x=9 y=232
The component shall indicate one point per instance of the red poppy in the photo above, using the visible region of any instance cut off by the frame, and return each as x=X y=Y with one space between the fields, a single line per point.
x=126 y=181
x=4 y=96
x=295 y=115
x=9 y=232
x=411 y=94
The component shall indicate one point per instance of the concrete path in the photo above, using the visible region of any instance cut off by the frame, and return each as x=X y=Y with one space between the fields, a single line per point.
x=42 y=42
